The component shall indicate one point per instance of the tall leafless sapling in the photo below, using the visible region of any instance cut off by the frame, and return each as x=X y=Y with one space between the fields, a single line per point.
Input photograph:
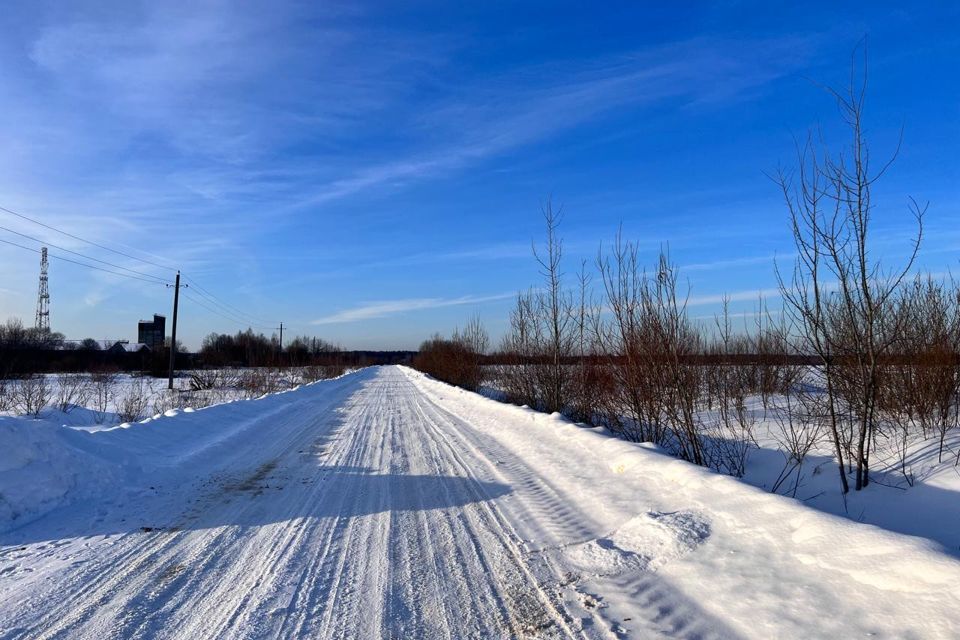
x=554 y=310
x=838 y=292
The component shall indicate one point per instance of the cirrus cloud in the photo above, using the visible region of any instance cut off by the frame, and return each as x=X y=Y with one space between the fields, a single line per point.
x=384 y=308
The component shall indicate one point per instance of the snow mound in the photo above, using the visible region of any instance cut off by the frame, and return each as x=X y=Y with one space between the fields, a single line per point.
x=646 y=542
x=43 y=466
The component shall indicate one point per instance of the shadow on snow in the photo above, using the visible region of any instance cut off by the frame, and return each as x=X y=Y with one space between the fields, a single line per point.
x=267 y=496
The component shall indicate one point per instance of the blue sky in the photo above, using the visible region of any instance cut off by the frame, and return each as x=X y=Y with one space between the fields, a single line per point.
x=373 y=172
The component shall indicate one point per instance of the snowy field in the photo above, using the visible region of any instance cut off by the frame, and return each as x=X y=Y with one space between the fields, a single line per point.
x=386 y=504
x=927 y=505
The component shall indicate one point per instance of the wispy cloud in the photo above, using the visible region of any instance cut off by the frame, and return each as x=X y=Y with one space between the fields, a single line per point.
x=733 y=296
x=218 y=100
x=231 y=123
x=221 y=81
x=545 y=101
x=387 y=308
x=736 y=262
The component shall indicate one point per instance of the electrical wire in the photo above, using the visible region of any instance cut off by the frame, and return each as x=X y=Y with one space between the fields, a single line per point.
x=214 y=311
x=85 y=257
x=82 y=264
x=70 y=235
x=229 y=311
x=206 y=294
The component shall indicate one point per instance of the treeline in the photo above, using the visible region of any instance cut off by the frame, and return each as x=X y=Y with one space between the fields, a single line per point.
x=25 y=351
x=459 y=359
x=617 y=346
x=15 y=336
x=249 y=349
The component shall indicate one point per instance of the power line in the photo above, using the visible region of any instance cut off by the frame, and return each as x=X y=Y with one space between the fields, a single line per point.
x=243 y=317
x=214 y=311
x=229 y=311
x=224 y=305
x=70 y=235
x=85 y=257
x=136 y=275
x=227 y=308
x=82 y=264
x=233 y=319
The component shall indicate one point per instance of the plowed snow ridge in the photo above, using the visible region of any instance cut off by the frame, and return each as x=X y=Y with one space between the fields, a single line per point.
x=385 y=504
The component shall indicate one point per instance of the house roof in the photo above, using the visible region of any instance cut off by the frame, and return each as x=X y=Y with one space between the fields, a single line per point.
x=124 y=345
x=107 y=345
x=135 y=347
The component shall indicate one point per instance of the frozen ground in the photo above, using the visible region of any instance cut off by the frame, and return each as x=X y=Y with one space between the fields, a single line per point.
x=384 y=504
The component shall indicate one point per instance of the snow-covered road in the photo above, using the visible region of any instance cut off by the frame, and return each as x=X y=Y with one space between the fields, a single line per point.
x=384 y=504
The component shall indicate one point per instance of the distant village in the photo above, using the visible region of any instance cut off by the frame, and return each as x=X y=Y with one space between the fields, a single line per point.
x=151 y=336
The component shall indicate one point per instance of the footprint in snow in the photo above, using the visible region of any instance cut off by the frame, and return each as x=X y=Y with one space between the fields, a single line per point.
x=644 y=543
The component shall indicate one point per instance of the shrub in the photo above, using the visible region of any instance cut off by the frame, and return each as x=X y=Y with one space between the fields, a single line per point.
x=31 y=394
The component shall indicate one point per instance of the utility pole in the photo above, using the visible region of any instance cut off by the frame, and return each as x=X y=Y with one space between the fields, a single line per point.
x=280 y=355
x=173 y=331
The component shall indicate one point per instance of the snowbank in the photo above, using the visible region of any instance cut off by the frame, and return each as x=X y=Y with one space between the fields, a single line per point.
x=766 y=561
x=42 y=465
x=45 y=464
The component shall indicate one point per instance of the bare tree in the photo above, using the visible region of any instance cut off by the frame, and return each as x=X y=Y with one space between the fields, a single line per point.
x=628 y=344
x=6 y=401
x=474 y=336
x=590 y=385
x=730 y=381
x=458 y=360
x=677 y=342
x=838 y=294
x=797 y=433
x=520 y=353
x=920 y=379
x=554 y=310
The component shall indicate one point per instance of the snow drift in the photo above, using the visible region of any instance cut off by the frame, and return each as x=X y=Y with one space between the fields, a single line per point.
x=45 y=465
x=764 y=560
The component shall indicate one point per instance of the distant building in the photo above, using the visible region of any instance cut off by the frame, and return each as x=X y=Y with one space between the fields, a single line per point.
x=152 y=333
x=123 y=346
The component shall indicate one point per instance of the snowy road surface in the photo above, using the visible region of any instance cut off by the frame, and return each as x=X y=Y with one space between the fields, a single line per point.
x=384 y=504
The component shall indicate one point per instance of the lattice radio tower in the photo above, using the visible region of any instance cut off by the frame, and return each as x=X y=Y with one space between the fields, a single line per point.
x=43 y=296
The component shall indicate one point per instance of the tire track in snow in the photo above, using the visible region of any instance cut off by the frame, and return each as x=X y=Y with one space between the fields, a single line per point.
x=533 y=609
x=552 y=511
x=560 y=523
x=365 y=511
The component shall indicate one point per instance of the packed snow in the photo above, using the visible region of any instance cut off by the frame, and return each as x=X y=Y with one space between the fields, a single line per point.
x=386 y=504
